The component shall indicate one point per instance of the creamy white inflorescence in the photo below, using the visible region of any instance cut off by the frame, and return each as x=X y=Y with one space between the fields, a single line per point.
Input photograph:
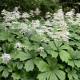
x=6 y=58
x=47 y=27
x=8 y=16
x=35 y=23
x=48 y=15
x=25 y=15
x=18 y=46
x=40 y=49
x=37 y=11
x=45 y=39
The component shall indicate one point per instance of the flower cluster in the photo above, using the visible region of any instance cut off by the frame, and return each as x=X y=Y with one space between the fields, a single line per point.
x=73 y=18
x=15 y=14
x=39 y=44
x=62 y=32
x=40 y=49
x=55 y=26
x=8 y=16
x=18 y=46
x=6 y=58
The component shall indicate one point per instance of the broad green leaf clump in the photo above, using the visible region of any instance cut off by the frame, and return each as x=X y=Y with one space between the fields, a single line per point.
x=39 y=48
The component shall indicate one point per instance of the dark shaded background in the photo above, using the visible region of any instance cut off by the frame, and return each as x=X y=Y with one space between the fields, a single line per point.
x=44 y=5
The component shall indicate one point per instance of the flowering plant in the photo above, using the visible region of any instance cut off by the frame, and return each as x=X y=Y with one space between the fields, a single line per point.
x=39 y=49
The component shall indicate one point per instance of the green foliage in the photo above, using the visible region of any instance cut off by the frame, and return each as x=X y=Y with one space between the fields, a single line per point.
x=52 y=70
x=56 y=60
x=72 y=74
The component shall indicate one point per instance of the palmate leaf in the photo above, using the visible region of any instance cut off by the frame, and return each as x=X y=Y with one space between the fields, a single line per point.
x=3 y=35
x=5 y=72
x=74 y=63
x=56 y=48
x=75 y=58
x=31 y=60
x=50 y=49
x=50 y=71
x=64 y=56
x=72 y=74
x=29 y=65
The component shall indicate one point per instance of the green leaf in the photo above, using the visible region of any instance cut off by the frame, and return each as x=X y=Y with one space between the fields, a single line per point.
x=65 y=56
x=5 y=73
x=58 y=44
x=53 y=53
x=43 y=66
x=72 y=74
x=23 y=56
x=16 y=76
x=36 y=38
x=52 y=45
x=19 y=65
x=75 y=58
x=47 y=76
x=24 y=75
x=29 y=65
x=77 y=63
x=64 y=47
x=50 y=71
x=60 y=74
x=1 y=68
x=76 y=55
x=36 y=60
x=43 y=54
x=0 y=60
x=71 y=63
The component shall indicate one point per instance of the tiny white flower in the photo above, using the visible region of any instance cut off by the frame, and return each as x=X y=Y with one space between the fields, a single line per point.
x=37 y=11
x=48 y=23
x=40 y=32
x=50 y=33
x=6 y=58
x=31 y=13
x=25 y=15
x=50 y=28
x=35 y=23
x=61 y=35
x=70 y=14
x=48 y=15
x=23 y=27
x=59 y=15
x=18 y=46
x=45 y=39
x=14 y=15
x=40 y=49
